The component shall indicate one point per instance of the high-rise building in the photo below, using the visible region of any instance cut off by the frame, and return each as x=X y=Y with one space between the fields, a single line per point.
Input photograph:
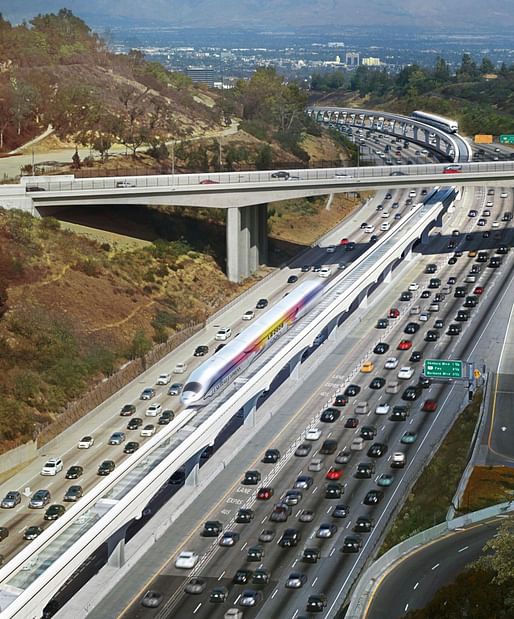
x=352 y=59
x=204 y=75
x=371 y=62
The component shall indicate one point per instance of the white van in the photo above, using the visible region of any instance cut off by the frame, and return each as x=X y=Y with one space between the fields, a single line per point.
x=223 y=334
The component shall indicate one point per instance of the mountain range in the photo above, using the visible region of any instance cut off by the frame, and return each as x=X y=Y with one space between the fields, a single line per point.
x=458 y=15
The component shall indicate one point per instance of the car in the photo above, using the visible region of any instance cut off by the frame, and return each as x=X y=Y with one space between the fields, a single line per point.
x=406 y=295
x=186 y=560
x=223 y=334
x=352 y=390
x=494 y=262
x=426 y=294
x=148 y=430
x=478 y=290
x=471 y=301
x=439 y=323
x=382 y=323
x=74 y=493
x=316 y=464
x=385 y=480
x=74 y=472
x=462 y=316
x=350 y=246
x=195 y=586
x=481 y=222
x=408 y=438
x=271 y=456
x=328 y=447
x=303 y=482
x=381 y=348
x=311 y=555
x=411 y=393
x=411 y=328
x=281 y=512
x=399 y=413
x=32 y=532
x=377 y=450
x=127 y=410
x=416 y=355
x=116 y=438
x=330 y=415
x=424 y=381
x=248 y=315
x=267 y=535
x=377 y=383
x=326 y=530
x=340 y=400
x=413 y=287
x=303 y=449
x=166 y=417
x=261 y=304
x=295 y=580
x=229 y=538
x=472 y=213
x=11 y=499
x=429 y=406
x=325 y=272
x=453 y=329
x=431 y=336
x=289 y=538
x=244 y=516
x=367 y=367
x=147 y=394
x=86 y=442
x=334 y=490
x=250 y=598
x=52 y=466
x=364 y=470
x=255 y=553
x=382 y=409
x=397 y=215
x=373 y=497
x=261 y=576
x=398 y=460
x=135 y=423
x=265 y=493
x=292 y=279
x=180 y=368
x=351 y=422
x=106 y=467
x=152 y=411
x=281 y=174
x=331 y=249
x=292 y=497
x=363 y=524
x=455 y=232
x=391 y=363
x=251 y=478
x=200 y=351
x=334 y=473
x=54 y=512
x=452 y=260
x=404 y=345
x=406 y=372
x=351 y=543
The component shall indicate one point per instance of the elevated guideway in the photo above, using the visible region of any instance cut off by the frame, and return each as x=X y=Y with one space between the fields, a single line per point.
x=35 y=575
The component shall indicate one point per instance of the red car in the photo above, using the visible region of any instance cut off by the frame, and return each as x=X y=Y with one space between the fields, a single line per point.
x=264 y=493
x=334 y=473
x=394 y=313
x=478 y=290
x=404 y=345
x=344 y=241
x=429 y=406
x=208 y=181
x=452 y=169
x=351 y=422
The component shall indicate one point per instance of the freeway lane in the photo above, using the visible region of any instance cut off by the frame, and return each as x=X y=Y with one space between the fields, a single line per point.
x=354 y=490
x=412 y=582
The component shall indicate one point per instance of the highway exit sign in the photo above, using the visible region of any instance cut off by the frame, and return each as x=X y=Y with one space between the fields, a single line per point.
x=506 y=138
x=443 y=368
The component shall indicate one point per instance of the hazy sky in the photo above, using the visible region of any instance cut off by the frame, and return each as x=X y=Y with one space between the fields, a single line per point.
x=460 y=15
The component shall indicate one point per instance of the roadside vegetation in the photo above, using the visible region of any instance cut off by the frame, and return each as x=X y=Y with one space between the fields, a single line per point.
x=431 y=496
x=488 y=485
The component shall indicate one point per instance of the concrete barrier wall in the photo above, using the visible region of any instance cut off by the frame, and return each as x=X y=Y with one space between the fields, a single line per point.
x=19 y=456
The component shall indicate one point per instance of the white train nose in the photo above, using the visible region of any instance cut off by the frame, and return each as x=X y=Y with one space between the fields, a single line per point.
x=189 y=397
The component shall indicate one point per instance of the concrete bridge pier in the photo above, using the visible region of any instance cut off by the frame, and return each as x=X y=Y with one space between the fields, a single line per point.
x=247 y=240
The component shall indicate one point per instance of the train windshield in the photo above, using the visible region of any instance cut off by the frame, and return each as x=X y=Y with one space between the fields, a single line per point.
x=192 y=386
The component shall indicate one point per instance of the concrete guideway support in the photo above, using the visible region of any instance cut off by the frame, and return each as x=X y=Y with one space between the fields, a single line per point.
x=247 y=240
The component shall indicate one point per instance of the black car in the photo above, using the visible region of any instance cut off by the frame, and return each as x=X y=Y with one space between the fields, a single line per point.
x=377 y=383
x=316 y=603
x=292 y=279
x=460 y=291
x=127 y=410
x=340 y=400
x=329 y=415
x=416 y=355
x=255 y=553
x=328 y=447
x=261 y=576
x=452 y=260
x=352 y=390
x=242 y=577
x=74 y=472
x=271 y=456
x=73 y=494
x=32 y=532
x=431 y=268
x=311 y=555
x=399 y=413
x=251 y=478
x=431 y=336
x=244 y=516
x=381 y=348
x=411 y=393
x=454 y=329
x=373 y=497
x=135 y=423
x=201 y=351
x=382 y=323
x=261 y=304
x=439 y=324
x=306 y=268
x=368 y=433
x=212 y=528
x=377 y=450
x=334 y=490
x=289 y=538
x=462 y=316
x=434 y=282
x=351 y=543
x=281 y=174
x=340 y=511
x=424 y=381
x=166 y=417
x=471 y=301
x=411 y=327
x=106 y=467
x=131 y=447
x=363 y=524
x=425 y=294
x=364 y=470
x=218 y=595
x=54 y=512
x=406 y=295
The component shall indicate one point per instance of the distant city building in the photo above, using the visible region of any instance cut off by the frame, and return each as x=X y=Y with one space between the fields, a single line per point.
x=333 y=63
x=352 y=59
x=205 y=75
x=371 y=62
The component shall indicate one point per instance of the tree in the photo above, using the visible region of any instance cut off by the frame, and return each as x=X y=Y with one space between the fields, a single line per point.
x=441 y=71
x=467 y=71
x=487 y=66
x=140 y=345
x=264 y=158
x=499 y=556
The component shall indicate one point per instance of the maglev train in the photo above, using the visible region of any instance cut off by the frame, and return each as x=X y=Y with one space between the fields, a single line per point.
x=446 y=124
x=222 y=367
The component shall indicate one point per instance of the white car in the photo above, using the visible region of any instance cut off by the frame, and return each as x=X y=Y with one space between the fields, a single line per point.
x=391 y=363
x=223 y=334
x=148 y=430
x=398 y=460
x=504 y=194
x=495 y=224
x=414 y=286
x=331 y=249
x=52 y=466
x=424 y=316
x=312 y=434
x=153 y=410
x=406 y=372
x=248 y=315
x=412 y=193
x=180 y=368
x=325 y=272
x=164 y=379
x=382 y=409
x=186 y=560
x=369 y=229
x=86 y=442
x=384 y=227
x=384 y=215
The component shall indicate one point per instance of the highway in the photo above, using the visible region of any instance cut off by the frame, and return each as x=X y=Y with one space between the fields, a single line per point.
x=219 y=563
x=413 y=581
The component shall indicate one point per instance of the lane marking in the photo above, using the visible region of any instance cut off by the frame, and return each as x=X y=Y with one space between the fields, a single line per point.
x=463 y=549
x=435 y=566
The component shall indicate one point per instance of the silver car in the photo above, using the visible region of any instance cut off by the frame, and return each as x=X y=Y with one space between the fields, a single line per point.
x=11 y=499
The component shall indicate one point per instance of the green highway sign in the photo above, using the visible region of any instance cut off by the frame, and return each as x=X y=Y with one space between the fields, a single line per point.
x=443 y=368
x=506 y=138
